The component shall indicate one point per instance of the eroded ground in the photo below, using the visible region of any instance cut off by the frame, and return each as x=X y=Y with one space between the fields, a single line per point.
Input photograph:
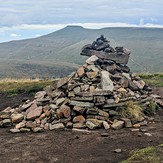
x=70 y=146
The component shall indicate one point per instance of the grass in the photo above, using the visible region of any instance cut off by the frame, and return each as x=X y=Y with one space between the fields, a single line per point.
x=14 y=86
x=131 y=110
x=153 y=79
x=147 y=155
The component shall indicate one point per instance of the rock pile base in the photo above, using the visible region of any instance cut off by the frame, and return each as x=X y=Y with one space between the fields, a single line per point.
x=100 y=94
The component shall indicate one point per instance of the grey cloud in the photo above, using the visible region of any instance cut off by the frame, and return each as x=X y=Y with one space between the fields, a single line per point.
x=64 y=11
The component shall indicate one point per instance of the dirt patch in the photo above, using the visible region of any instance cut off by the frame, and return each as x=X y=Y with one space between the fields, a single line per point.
x=69 y=146
x=13 y=100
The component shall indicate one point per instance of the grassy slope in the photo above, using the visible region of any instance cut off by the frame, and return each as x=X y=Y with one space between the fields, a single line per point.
x=14 y=87
x=153 y=79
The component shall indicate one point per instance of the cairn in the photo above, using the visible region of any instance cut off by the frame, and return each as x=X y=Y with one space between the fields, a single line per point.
x=102 y=93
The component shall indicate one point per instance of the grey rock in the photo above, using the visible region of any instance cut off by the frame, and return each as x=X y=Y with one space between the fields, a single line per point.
x=103 y=113
x=60 y=101
x=77 y=90
x=96 y=122
x=60 y=82
x=25 y=106
x=90 y=125
x=147 y=134
x=93 y=111
x=117 y=125
x=106 y=125
x=37 y=129
x=127 y=75
x=48 y=90
x=30 y=124
x=92 y=59
x=57 y=93
x=140 y=83
x=77 y=98
x=143 y=129
x=25 y=130
x=113 y=113
x=104 y=134
x=14 y=130
x=82 y=104
x=43 y=100
x=110 y=101
x=79 y=125
x=81 y=130
x=36 y=112
x=79 y=109
x=40 y=94
x=20 y=125
x=135 y=129
x=124 y=82
x=118 y=150
x=17 y=118
x=98 y=92
x=69 y=125
x=7 y=122
x=56 y=126
x=93 y=68
x=5 y=115
x=106 y=82
x=127 y=121
x=53 y=107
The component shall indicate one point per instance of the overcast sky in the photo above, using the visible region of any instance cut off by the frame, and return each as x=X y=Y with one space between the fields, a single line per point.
x=31 y=18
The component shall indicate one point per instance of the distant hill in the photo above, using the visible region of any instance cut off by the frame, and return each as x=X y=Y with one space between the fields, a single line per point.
x=60 y=51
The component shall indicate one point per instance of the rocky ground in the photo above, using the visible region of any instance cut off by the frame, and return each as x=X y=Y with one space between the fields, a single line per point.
x=74 y=146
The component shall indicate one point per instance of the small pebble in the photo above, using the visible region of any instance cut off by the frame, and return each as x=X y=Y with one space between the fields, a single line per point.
x=118 y=150
x=104 y=134
x=147 y=134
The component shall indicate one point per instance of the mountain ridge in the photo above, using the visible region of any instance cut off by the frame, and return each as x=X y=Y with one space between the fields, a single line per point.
x=65 y=45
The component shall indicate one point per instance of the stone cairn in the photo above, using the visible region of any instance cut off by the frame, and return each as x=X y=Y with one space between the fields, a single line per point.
x=100 y=94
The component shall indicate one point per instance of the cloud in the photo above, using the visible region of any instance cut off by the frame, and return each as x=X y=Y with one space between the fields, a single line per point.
x=14 y=35
x=141 y=22
x=54 y=27
x=19 y=12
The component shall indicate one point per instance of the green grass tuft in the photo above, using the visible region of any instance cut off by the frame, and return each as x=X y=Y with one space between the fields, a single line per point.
x=131 y=110
x=147 y=155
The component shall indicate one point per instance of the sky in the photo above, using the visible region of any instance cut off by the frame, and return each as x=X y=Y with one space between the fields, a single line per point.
x=21 y=19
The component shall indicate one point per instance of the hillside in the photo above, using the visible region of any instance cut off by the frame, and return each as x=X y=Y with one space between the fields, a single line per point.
x=52 y=54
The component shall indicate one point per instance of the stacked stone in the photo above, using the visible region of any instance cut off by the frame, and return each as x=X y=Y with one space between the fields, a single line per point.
x=89 y=98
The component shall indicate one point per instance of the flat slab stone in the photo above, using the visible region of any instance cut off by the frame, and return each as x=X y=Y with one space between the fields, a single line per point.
x=82 y=98
x=117 y=125
x=92 y=59
x=106 y=82
x=56 y=126
x=34 y=113
x=83 y=104
x=40 y=94
x=113 y=105
x=96 y=93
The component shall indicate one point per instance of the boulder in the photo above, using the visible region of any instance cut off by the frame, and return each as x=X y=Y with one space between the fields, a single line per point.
x=33 y=114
